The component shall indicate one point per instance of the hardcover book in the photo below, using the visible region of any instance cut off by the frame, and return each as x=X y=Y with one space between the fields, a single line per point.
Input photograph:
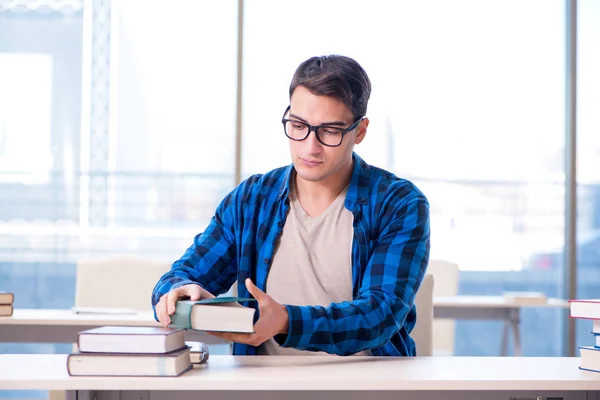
x=219 y=314
x=131 y=339
x=122 y=364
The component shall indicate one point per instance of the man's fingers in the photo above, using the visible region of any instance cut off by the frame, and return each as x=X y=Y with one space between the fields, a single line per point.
x=161 y=312
x=254 y=290
x=172 y=300
x=194 y=292
x=229 y=336
x=247 y=338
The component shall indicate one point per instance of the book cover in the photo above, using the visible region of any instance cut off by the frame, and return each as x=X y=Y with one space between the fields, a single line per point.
x=223 y=299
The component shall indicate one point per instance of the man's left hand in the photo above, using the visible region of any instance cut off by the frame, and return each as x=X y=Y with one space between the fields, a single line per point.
x=273 y=320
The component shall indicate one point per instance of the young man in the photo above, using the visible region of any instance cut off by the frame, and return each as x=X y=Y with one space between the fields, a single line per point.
x=333 y=249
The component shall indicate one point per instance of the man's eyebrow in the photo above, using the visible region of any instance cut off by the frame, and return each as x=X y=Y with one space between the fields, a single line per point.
x=324 y=123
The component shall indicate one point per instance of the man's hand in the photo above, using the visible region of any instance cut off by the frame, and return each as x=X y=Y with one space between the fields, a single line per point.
x=166 y=305
x=272 y=321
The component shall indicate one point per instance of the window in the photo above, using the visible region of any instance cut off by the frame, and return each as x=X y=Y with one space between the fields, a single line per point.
x=25 y=110
x=588 y=166
x=133 y=120
x=467 y=102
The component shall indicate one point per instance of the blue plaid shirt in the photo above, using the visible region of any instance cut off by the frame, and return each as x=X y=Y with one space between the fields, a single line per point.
x=390 y=252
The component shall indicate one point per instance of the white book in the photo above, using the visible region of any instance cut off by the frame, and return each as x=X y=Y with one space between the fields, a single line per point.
x=526 y=298
x=589 y=359
x=596 y=326
x=103 y=310
x=123 y=364
x=131 y=339
x=585 y=308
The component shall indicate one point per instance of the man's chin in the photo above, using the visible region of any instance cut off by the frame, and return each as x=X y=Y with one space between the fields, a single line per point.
x=310 y=174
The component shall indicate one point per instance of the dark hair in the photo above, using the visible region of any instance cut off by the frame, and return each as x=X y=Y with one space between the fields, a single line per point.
x=335 y=76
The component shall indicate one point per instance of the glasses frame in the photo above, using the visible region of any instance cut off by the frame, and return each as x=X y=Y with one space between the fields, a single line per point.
x=316 y=129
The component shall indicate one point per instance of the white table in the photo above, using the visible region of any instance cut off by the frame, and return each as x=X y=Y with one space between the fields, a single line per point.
x=490 y=307
x=62 y=326
x=295 y=377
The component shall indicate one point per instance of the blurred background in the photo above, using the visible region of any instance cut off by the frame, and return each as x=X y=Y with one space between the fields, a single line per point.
x=119 y=124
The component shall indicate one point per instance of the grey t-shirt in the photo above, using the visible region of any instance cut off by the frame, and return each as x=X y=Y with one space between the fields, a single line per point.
x=312 y=264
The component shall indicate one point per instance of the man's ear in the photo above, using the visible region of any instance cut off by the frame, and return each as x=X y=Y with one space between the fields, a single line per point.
x=361 y=130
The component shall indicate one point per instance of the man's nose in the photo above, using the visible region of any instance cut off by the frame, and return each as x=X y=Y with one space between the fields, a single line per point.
x=312 y=143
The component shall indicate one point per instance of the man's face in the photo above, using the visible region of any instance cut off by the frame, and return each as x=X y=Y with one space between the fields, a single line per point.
x=313 y=160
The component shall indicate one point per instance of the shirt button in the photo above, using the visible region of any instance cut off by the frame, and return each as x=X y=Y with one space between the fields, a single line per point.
x=280 y=224
x=362 y=201
x=267 y=260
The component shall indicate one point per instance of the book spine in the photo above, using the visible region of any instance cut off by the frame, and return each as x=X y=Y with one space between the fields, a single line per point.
x=182 y=318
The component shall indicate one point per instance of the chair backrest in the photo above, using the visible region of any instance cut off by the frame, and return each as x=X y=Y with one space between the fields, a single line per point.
x=446 y=276
x=422 y=333
x=120 y=282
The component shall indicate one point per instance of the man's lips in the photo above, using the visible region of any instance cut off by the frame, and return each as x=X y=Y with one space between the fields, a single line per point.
x=310 y=162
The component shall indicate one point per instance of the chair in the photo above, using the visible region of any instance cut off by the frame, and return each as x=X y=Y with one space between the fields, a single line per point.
x=422 y=332
x=117 y=282
x=446 y=276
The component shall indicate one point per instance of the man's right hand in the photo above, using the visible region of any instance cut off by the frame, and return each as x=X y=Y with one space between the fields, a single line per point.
x=166 y=305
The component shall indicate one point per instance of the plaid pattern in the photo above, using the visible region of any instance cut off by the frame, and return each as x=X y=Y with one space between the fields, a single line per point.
x=390 y=252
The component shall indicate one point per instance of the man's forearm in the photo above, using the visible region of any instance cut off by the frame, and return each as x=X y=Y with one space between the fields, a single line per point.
x=341 y=329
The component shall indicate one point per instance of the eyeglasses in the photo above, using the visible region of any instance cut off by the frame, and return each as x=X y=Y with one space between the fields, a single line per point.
x=330 y=136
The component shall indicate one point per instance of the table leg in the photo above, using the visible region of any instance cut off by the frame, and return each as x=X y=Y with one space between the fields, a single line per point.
x=515 y=322
x=504 y=340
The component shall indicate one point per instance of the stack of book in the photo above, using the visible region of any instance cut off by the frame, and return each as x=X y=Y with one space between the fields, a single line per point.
x=590 y=310
x=6 y=304
x=134 y=351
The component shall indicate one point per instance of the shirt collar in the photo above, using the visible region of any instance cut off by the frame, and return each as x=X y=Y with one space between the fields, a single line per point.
x=358 y=191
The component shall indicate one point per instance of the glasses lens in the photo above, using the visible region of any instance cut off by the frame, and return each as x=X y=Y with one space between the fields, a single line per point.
x=295 y=130
x=330 y=136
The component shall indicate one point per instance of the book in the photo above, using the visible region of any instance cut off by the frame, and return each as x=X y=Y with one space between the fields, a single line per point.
x=103 y=310
x=596 y=326
x=218 y=314
x=122 y=364
x=131 y=339
x=589 y=359
x=199 y=353
x=6 y=310
x=596 y=340
x=585 y=309
x=6 y=297
x=526 y=298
